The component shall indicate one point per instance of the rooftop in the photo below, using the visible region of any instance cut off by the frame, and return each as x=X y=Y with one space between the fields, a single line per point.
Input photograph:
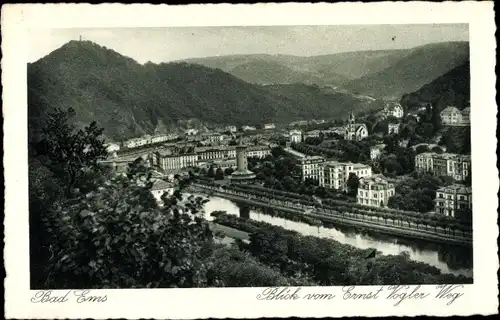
x=161 y=185
x=456 y=188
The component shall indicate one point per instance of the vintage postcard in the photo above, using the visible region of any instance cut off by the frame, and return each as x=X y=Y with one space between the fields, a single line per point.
x=248 y=161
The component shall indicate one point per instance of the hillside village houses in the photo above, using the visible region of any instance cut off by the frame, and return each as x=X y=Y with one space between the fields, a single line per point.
x=393 y=109
x=269 y=126
x=375 y=191
x=355 y=131
x=451 y=116
x=453 y=200
x=334 y=174
x=231 y=128
x=376 y=151
x=392 y=128
x=446 y=164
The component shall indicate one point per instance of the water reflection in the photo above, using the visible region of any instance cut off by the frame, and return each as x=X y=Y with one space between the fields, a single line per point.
x=449 y=259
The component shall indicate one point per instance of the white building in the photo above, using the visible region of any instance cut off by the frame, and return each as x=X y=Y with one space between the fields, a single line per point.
x=168 y=161
x=451 y=116
x=295 y=136
x=310 y=167
x=258 y=151
x=453 y=200
x=112 y=147
x=376 y=151
x=393 y=109
x=453 y=165
x=269 y=126
x=312 y=134
x=249 y=128
x=191 y=132
x=393 y=128
x=375 y=191
x=334 y=174
x=231 y=128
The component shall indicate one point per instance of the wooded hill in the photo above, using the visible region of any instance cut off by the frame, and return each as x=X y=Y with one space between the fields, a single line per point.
x=129 y=99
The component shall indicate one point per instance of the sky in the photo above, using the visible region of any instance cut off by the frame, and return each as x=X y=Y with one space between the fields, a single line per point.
x=177 y=43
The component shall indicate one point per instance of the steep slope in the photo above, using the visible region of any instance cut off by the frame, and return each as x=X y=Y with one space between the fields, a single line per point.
x=420 y=66
x=129 y=99
x=452 y=88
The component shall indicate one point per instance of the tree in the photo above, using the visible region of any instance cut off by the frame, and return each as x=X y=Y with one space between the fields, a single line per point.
x=211 y=172
x=422 y=149
x=118 y=237
x=353 y=183
x=70 y=154
x=228 y=171
x=219 y=174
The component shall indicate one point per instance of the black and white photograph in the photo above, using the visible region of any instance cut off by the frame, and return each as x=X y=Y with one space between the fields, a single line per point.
x=252 y=156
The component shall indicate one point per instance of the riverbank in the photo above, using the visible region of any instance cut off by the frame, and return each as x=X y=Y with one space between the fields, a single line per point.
x=330 y=262
x=348 y=219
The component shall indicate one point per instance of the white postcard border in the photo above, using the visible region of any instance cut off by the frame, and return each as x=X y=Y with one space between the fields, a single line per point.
x=479 y=298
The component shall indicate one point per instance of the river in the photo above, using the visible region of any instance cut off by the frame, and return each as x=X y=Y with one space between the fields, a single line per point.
x=447 y=258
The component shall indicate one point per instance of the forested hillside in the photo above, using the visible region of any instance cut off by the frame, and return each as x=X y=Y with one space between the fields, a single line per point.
x=129 y=99
x=452 y=88
x=419 y=67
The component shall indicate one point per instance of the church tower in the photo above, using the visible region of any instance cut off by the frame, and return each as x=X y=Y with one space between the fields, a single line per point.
x=352 y=119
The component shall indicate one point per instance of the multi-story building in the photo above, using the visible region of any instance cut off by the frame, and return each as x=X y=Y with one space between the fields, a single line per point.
x=212 y=137
x=393 y=128
x=258 y=151
x=168 y=161
x=312 y=134
x=451 y=116
x=456 y=166
x=310 y=167
x=466 y=116
x=269 y=126
x=334 y=174
x=355 y=131
x=216 y=153
x=454 y=200
x=375 y=191
x=393 y=109
x=295 y=136
x=376 y=151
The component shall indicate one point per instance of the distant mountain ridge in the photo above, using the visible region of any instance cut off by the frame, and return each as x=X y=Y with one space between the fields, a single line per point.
x=419 y=67
x=382 y=73
x=129 y=99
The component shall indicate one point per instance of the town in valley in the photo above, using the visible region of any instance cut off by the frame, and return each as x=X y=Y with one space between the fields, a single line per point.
x=251 y=169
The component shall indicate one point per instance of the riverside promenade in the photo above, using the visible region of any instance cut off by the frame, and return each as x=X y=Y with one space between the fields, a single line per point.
x=392 y=227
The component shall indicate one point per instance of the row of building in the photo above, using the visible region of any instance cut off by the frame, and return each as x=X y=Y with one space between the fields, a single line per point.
x=147 y=140
x=222 y=156
x=456 y=166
